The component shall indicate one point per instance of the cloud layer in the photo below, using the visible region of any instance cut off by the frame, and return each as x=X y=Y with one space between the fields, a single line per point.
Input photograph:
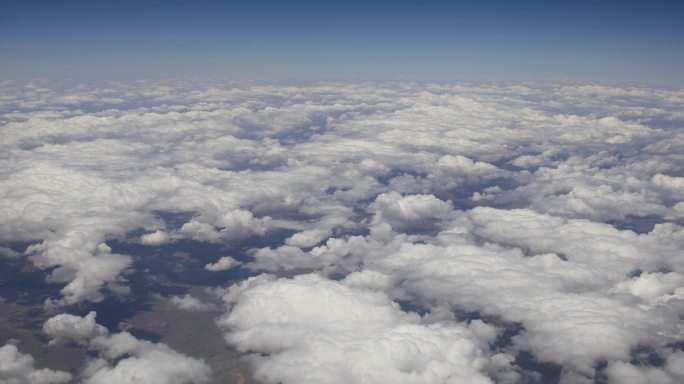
x=417 y=232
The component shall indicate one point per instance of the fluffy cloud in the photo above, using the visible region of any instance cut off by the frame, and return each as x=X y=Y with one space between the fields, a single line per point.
x=310 y=329
x=223 y=264
x=568 y=282
x=562 y=323
x=122 y=358
x=18 y=368
x=234 y=224
x=83 y=264
x=601 y=247
x=75 y=328
x=126 y=359
x=621 y=372
x=154 y=238
x=190 y=303
x=409 y=212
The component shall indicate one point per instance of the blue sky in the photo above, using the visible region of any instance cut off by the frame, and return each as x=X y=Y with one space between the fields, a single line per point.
x=638 y=41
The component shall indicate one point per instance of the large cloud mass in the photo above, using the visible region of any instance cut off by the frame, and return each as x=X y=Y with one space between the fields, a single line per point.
x=314 y=330
x=410 y=232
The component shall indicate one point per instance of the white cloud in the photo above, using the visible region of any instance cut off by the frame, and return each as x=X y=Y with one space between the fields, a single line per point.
x=231 y=225
x=563 y=319
x=337 y=334
x=155 y=238
x=18 y=368
x=322 y=229
x=674 y=184
x=369 y=279
x=599 y=246
x=75 y=328
x=652 y=287
x=190 y=303
x=675 y=365
x=621 y=372
x=83 y=264
x=467 y=168
x=223 y=264
x=409 y=212
x=200 y=231
x=122 y=358
x=129 y=360
x=497 y=262
x=528 y=161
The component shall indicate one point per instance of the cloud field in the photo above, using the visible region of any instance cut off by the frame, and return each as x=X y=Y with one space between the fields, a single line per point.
x=414 y=233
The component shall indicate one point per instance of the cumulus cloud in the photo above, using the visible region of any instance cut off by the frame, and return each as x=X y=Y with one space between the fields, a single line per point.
x=496 y=262
x=126 y=359
x=672 y=184
x=122 y=358
x=223 y=264
x=449 y=166
x=19 y=368
x=190 y=303
x=561 y=324
x=74 y=328
x=234 y=224
x=409 y=212
x=621 y=372
x=338 y=334
x=154 y=238
x=86 y=267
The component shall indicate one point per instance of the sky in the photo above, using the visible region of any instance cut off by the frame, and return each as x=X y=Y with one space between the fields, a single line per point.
x=625 y=41
x=230 y=192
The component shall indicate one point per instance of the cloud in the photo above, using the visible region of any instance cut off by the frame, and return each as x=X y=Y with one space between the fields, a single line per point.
x=126 y=359
x=673 y=184
x=223 y=264
x=200 y=231
x=18 y=368
x=621 y=372
x=558 y=278
x=561 y=325
x=84 y=265
x=600 y=246
x=409 y=212
x=231 y=225
x=154 y=238
x=496 y=262
x=190 y=303
x=310 y=329
x=72 y=164
x=9 y=253
x=652 y=287
x=75 y=328
x=122 y=358
x=465 y=168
